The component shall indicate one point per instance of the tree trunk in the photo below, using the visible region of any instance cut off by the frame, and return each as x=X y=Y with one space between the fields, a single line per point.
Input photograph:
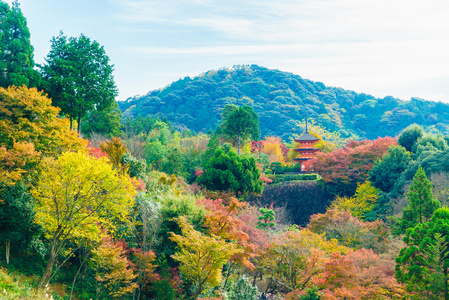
x=238 y=149
x=79 y=125
x=76 y=276
x=8 y=249
x=51 y=262
x=446 y=290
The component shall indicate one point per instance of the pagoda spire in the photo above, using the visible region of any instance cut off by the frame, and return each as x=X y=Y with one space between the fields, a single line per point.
x=307 y=121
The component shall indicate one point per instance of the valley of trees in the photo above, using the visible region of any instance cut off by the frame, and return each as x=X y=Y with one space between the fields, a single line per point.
x=96 y=205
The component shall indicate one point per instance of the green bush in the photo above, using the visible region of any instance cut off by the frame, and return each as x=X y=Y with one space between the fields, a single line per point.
x=242 y=289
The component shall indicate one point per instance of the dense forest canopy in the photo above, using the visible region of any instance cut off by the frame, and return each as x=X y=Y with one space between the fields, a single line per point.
x=281 y=99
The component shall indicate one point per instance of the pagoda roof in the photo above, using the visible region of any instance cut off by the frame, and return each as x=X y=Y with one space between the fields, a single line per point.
x=306 y=137
x=306 y=149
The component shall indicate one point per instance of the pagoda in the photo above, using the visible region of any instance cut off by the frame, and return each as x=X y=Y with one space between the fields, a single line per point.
x=306 y=149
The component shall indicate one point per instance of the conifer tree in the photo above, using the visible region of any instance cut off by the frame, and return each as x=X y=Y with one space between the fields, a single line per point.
x=78 y=77
x=423 y=265
x=16 y=51
x=421 y=203
x=240 y=122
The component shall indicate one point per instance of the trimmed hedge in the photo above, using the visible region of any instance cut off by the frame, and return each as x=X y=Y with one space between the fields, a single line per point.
x=278 y=178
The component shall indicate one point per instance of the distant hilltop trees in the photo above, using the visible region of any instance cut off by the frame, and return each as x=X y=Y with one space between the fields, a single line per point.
x=281 y=99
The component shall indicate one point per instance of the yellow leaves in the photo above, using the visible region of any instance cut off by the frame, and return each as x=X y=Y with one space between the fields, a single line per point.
x=112 y=269
x=202 y=257
x=295 y=257
x=274 y=151
x=13 y=161
x=115 y=150
x=26 y=115
x=76 y=193
x=363 y=201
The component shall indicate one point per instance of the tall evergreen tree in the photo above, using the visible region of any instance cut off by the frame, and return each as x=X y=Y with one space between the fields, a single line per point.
x=78 y=77
x=16 y=51
x=421 y=203
x=240 y=122
x=423 y=265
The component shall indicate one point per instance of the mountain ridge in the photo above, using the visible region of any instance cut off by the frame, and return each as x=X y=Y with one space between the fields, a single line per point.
x=281 y=100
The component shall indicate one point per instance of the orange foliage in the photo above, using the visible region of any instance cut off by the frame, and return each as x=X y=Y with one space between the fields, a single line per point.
x=273 y=147
x=221 y=221
x=16 y=161
x=115 y=150
x=360 y=274
x=113 y=273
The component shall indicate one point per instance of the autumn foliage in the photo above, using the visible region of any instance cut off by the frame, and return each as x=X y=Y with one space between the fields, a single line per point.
x=222 y=221
x=343 y=169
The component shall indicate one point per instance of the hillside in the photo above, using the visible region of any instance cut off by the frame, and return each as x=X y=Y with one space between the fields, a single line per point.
x=281 y=100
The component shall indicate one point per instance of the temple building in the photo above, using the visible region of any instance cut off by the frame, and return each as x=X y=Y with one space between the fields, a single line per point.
x=306 y=149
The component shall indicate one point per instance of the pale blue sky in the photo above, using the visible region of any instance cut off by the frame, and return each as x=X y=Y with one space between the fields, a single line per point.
x=381 y=47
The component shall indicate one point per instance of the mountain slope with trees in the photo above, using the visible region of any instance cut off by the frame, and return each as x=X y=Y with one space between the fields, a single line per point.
x=281 y=100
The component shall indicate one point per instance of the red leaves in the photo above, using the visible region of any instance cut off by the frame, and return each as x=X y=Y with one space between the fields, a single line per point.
x=360 y=274
x=222 y=221
x=352 y=164
x=94 y=151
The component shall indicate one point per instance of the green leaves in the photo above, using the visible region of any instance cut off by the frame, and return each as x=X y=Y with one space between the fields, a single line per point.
x=16 y=51
x=423 y=264
x=228 y=171
x=78 y=76
x=422 y=204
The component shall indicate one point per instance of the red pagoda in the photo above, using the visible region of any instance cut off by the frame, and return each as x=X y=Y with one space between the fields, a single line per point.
x=306 y=150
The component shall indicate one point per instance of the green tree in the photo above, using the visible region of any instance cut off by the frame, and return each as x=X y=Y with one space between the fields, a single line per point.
x=17 y=228
x=16 y=51
x=266 y=218
x=76 y=195
x=421 y=203
x=103 y=121
x=78 y=77
x=409 y=136
x=228 y=171
x=240 y=122
x=423 y=264
x=386 y=171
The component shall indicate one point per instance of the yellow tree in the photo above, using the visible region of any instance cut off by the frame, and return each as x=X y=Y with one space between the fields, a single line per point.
x=363 y=201
x=112 y=270
x=30 y=128
x=202 y=257
x=274 y=151
x=26 y=115
x=76 y=195
x=296 y=257
x=115 y=150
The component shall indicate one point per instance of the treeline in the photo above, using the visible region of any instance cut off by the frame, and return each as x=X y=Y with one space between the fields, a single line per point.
x=282 y=99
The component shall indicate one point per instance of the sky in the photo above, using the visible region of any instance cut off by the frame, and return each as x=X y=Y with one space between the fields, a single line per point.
x=396 y=48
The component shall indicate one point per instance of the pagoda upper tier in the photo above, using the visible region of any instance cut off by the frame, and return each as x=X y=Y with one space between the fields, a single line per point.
x=306 y=149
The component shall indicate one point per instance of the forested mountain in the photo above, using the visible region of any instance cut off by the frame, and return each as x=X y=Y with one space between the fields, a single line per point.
x=281 y=99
